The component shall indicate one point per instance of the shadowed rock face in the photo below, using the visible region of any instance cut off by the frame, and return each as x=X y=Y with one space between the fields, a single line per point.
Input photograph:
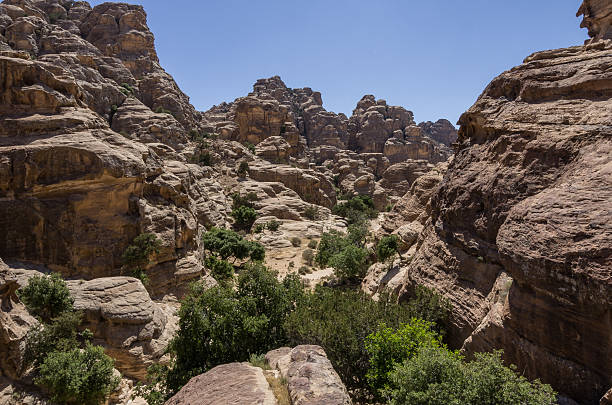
x=597 y=18
x=520 y=236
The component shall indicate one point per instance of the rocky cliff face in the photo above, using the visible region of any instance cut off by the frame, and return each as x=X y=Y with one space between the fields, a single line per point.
x=379 y=151
x=519 y=233
x=86 y=163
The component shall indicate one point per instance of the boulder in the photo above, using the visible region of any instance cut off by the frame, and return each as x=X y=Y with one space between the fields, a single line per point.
x=231 y=384
x=133 y=329
x=311 y=379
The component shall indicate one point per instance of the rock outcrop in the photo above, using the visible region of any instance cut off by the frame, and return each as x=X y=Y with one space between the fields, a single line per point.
x=235 y=383
x=290 y=127
x=442 y=131
x=134 y=330
x=519 y=236
x=15 y=321
x=311 y=379
x=86 y=164
x=597 y=18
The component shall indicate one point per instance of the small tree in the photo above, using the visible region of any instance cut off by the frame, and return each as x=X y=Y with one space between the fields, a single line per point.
x=59 y=335
x=243 y=168
x=331 y=243
x=244 y=217
x=308 y=256
x=388 y=347
x=137 y=255
x=350 y=264
x=46 y=296
x=78 y=376
x=387 y=247
x=221 y=245
x=273 y=225
x=312 y=212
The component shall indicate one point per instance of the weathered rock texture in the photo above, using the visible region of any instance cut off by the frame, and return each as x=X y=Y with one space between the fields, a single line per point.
x=311 y=379
x=15 y=321
x=597 y=18
x=133 y=330
x=442 y=131
x=228 y=384
x=520 y=237
x=86 y=165
x=291 y=127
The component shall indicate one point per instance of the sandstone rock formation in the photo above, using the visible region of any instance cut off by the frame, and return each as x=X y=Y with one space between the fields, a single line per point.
x=86 y=165
x=311 y=379
x=232 y=384
x=291 y=127
x=133 y=330
x=15 y=321
x=442 y=131
x=597 y=18
x=519 y=234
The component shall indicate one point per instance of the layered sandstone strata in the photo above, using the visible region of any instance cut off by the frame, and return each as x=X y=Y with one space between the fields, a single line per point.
x=519 y=232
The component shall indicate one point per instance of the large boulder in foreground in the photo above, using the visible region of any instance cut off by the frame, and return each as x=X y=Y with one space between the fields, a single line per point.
x=231 y=384
x=520 y=235
x=311 y=378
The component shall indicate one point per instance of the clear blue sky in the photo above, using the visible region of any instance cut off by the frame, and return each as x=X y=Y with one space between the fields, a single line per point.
x=433 y=57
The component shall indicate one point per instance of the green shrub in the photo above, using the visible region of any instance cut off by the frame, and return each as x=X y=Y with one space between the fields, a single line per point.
x=203 y=158
x=312 y=213
x=295 y=241
x=308 y=256
x=259 y=228
x=312 y=244
x=162 y=110
x=221 y=270
x=331 y=243
x=223 y=324
x=244 y=217
x=59 y=335
x=46 y=296
x=273 y=225
x=137 y=255
x=436 y=376
x=127 y=89
x=350 y=264
x=388 y=347
x=387 y=247
x=339 y=321
x=429 y=305
x=250 y=147
x=357 y=209
x=224 y=244
x=357 y=233
x=243 y=168
x=78 y=376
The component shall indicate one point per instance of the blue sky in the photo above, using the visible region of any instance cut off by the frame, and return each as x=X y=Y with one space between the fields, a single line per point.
x=433 y=57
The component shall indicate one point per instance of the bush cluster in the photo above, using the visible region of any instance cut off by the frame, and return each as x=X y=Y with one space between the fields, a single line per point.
x=345 y=253
x=437 y=376
x=64 y=362
x=227 y=323
x=137 y=255
x=222 y=245
x=243 y=210
x=358 y=209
